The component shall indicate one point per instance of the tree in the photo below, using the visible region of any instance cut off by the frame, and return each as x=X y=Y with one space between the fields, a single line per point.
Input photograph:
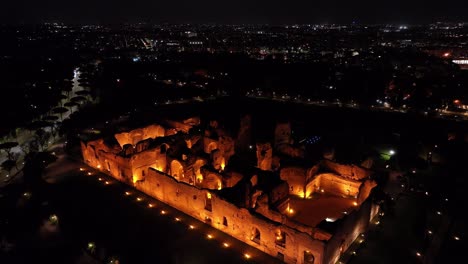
x=8 y=165
x=70 y=105
x=7 y=146
x=35 y=164
x=67 y=88
x=41 y=137
x=78 y=99
x=50 y=118
x=60 y=110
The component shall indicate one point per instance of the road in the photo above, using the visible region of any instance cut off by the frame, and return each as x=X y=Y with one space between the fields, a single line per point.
x=25 y=135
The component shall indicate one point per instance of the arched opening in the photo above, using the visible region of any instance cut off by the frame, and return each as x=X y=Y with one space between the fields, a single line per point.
x=196 y=167
x=177 y=170
x=308 y=257
x=163 y=148
x=255 y=236
x=208 y=205
x=225 y=222
x=212 y=146
x=280 y=238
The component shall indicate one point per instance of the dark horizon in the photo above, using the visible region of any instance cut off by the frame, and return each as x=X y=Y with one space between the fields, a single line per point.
x=239 y=12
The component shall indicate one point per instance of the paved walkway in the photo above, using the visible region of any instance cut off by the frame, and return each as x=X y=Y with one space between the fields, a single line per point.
x=25 y=136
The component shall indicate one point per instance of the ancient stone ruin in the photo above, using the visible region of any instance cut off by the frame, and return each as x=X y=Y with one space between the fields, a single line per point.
x=301 y=212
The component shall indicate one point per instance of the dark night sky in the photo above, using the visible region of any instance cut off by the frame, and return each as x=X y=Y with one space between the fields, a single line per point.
x=233 y=11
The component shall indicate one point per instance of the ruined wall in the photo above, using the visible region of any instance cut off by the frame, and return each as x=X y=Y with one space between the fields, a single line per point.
x=365 y=190
x=282 y=134
x=279 y=194
x=264 y=156
x=289 y=150
x=97 y=155
x=296 y=178
x=350 y=171
x=209 y=145
x=237 y=222
x=217 y=160
x=349 y=229
x=226 y=146
x=137 y=135
x=179 y=126
x=333 y=184
x=141 y=162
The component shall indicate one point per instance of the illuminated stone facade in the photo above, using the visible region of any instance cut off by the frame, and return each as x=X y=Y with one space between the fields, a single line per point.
x=281 y=209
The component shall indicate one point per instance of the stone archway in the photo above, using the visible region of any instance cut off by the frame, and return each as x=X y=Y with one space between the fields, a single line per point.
x=309 y=258
x=256 y=236
x=177 y=170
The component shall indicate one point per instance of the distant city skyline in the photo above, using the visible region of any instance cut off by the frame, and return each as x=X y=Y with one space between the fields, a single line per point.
x=242 y=11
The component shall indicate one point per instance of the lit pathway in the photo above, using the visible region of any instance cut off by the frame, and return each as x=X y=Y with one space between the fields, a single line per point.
x=142 y=220
x=26 y=135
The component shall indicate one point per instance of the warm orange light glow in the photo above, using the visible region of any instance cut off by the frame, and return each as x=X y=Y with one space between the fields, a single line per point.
x=81 y=169
x=139 y=199
x=199 y=178
x=191 y=227
x=247 y=256
x=163 y=212
x=150 y=205
x=99 y=166
x=107 y=183
x=456 y=101
x=219 y=186
x=100 y=179
x=89 y=173
x=208 y=195
x=322 y=190
x=446 y=54
x=134 y=179
x=209 y=236
x=128 y=193
x=223 y=165
x=355 y=203
x=177 y=219
x=226 y=245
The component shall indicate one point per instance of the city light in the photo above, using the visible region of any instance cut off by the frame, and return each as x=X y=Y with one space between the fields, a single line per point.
x=209 y=236
x=247 y=256
x=226 y=245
